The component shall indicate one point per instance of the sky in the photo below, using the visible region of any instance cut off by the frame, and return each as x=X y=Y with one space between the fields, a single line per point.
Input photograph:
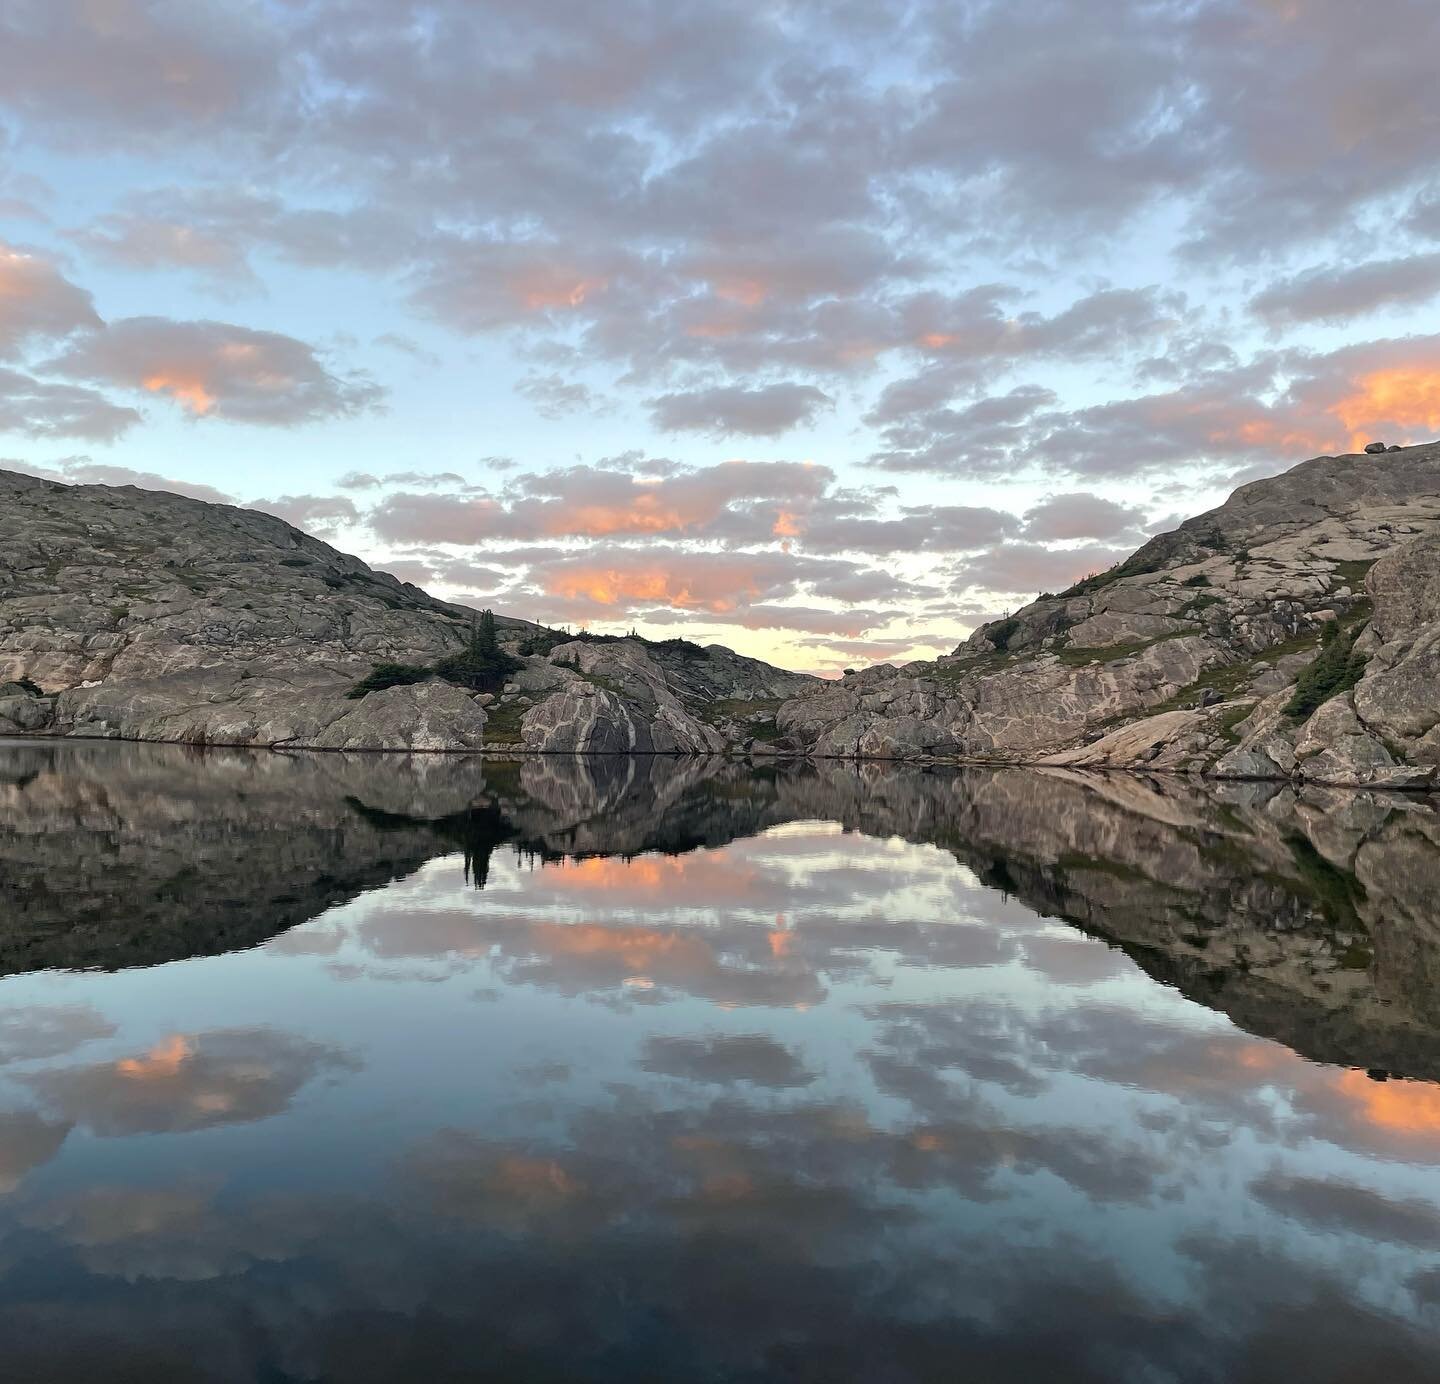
x=823 y=329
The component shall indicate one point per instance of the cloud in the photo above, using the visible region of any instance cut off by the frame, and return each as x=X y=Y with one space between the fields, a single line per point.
x=213 y=232
x=216 y=370
x=321 y=515
x=37 y=302
x=187 y=1082
x=555 y=397
x=37 y=408
x=1025 y=568
x=725 y=1059
x=1330 y=1205
x=33 y=1031
x=110 y=72
x=27 y=1141
x=1081 y=515
x=364 y=480
x=850 y=621
x=1424 y=218
x=725 y=410
x=739 y=502
x=1330 y=294
x=609 y=580
x=479 y=285
x=980 y=439
x=83 y=471
x=409 y=518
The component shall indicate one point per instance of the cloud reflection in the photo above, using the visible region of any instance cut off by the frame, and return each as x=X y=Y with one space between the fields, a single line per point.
x=189 y=1081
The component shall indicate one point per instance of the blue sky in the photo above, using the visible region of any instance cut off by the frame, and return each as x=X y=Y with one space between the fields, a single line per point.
x=824 y=330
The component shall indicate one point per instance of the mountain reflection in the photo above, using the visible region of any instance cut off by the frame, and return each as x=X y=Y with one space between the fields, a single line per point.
x=1308 y=918
x=375 y=1067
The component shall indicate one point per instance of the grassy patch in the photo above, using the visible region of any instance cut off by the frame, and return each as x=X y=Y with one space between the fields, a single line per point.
x=1356 y=957
x=502 y=723
x=1194 y=607
x=1352 y=574
x=737 y=708
x=1231 y=717
x=603 y=683
x=972 y=666
x=1113 y=653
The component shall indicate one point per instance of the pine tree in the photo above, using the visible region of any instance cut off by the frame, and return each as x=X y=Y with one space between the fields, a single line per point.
x=487 y=645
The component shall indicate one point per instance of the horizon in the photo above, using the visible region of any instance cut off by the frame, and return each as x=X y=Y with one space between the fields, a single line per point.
x=822 y=333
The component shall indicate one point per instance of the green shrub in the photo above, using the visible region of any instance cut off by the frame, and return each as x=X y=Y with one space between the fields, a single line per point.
x=384 y=675
x=482 y=665
x=1002 y=632
x=1199 y=579
x=29 y=685
x=1335 y=669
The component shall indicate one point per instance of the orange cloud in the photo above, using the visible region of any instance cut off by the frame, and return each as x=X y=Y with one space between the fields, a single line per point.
x=611 y=586
x=638 y=949
x=535 y=1181
x=162 y=1063
x=1406 y=396
x=748 y=292
x=1404 y=1107
x=597 y=521
x=545 y=289
x=186 y=388
x=1268 y=432
x=713 y=330
x=689 y=877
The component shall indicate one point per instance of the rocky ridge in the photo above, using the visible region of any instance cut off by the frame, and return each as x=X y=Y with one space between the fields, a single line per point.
x=142 y=615
x=1186 y=656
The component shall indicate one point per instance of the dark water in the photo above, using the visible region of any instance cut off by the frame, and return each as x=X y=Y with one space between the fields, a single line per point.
x=351 y=1069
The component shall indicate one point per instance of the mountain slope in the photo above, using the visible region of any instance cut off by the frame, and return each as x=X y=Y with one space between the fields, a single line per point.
x=144 y=615
x=1186 y=655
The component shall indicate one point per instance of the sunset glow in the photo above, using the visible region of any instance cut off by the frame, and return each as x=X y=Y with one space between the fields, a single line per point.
x=187 y=389
x=1405 y=397
x=162 y=1063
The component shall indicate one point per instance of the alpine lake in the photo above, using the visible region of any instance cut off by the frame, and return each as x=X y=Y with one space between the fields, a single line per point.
x=339 y=1067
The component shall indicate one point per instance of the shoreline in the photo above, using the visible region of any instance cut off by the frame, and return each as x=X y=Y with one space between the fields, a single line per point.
x=1431 y=790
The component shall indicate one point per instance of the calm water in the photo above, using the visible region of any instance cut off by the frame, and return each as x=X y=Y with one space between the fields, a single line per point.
x=375 y=1068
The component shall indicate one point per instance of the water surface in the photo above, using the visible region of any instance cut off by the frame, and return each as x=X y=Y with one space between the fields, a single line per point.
x=355 y=1068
